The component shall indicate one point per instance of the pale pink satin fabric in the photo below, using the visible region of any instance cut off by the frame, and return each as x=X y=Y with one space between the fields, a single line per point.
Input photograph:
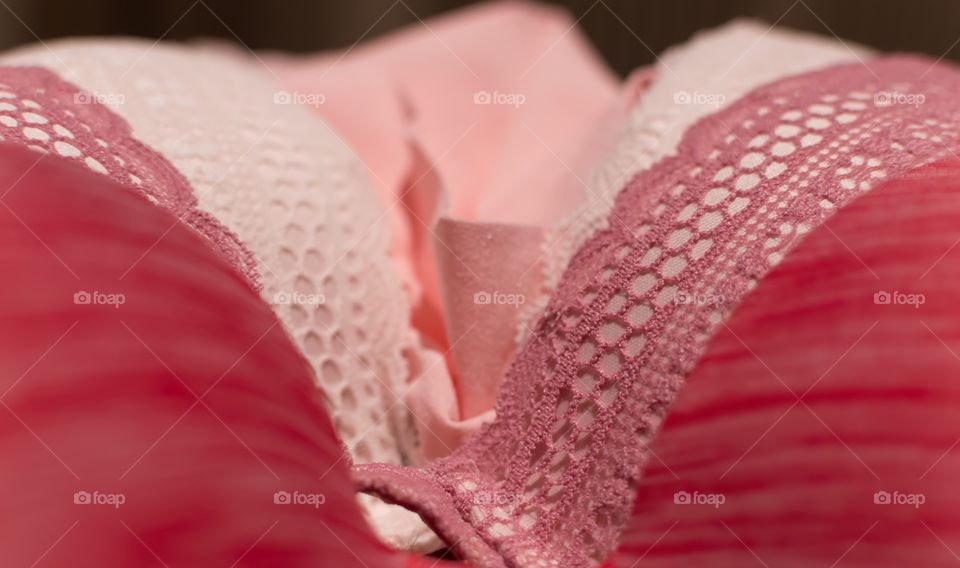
x=476 y=147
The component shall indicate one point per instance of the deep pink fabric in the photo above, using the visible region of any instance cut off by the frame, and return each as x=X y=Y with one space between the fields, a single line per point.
x=815 y=404
x=186 y=399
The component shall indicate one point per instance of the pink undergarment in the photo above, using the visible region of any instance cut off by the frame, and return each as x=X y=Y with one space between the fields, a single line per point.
x=552 y=479
x=760 y=266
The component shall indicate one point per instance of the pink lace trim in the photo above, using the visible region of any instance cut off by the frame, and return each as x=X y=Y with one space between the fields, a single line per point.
x=551 y=482
x=47 y=114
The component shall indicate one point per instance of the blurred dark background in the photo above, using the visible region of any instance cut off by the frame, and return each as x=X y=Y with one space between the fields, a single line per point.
x=619 y=28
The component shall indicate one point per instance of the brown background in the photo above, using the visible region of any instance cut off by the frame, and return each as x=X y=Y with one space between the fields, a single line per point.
x=619 y=28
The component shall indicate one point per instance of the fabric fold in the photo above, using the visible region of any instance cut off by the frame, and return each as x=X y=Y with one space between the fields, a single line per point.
x=490 y=125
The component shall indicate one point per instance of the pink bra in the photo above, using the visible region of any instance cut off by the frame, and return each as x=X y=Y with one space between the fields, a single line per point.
x=785 y=224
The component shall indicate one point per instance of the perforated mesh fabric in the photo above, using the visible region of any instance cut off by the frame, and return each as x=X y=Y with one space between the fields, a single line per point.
x=551 y=481
x=50 y=116
x=279 y=178
x=696 y=79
